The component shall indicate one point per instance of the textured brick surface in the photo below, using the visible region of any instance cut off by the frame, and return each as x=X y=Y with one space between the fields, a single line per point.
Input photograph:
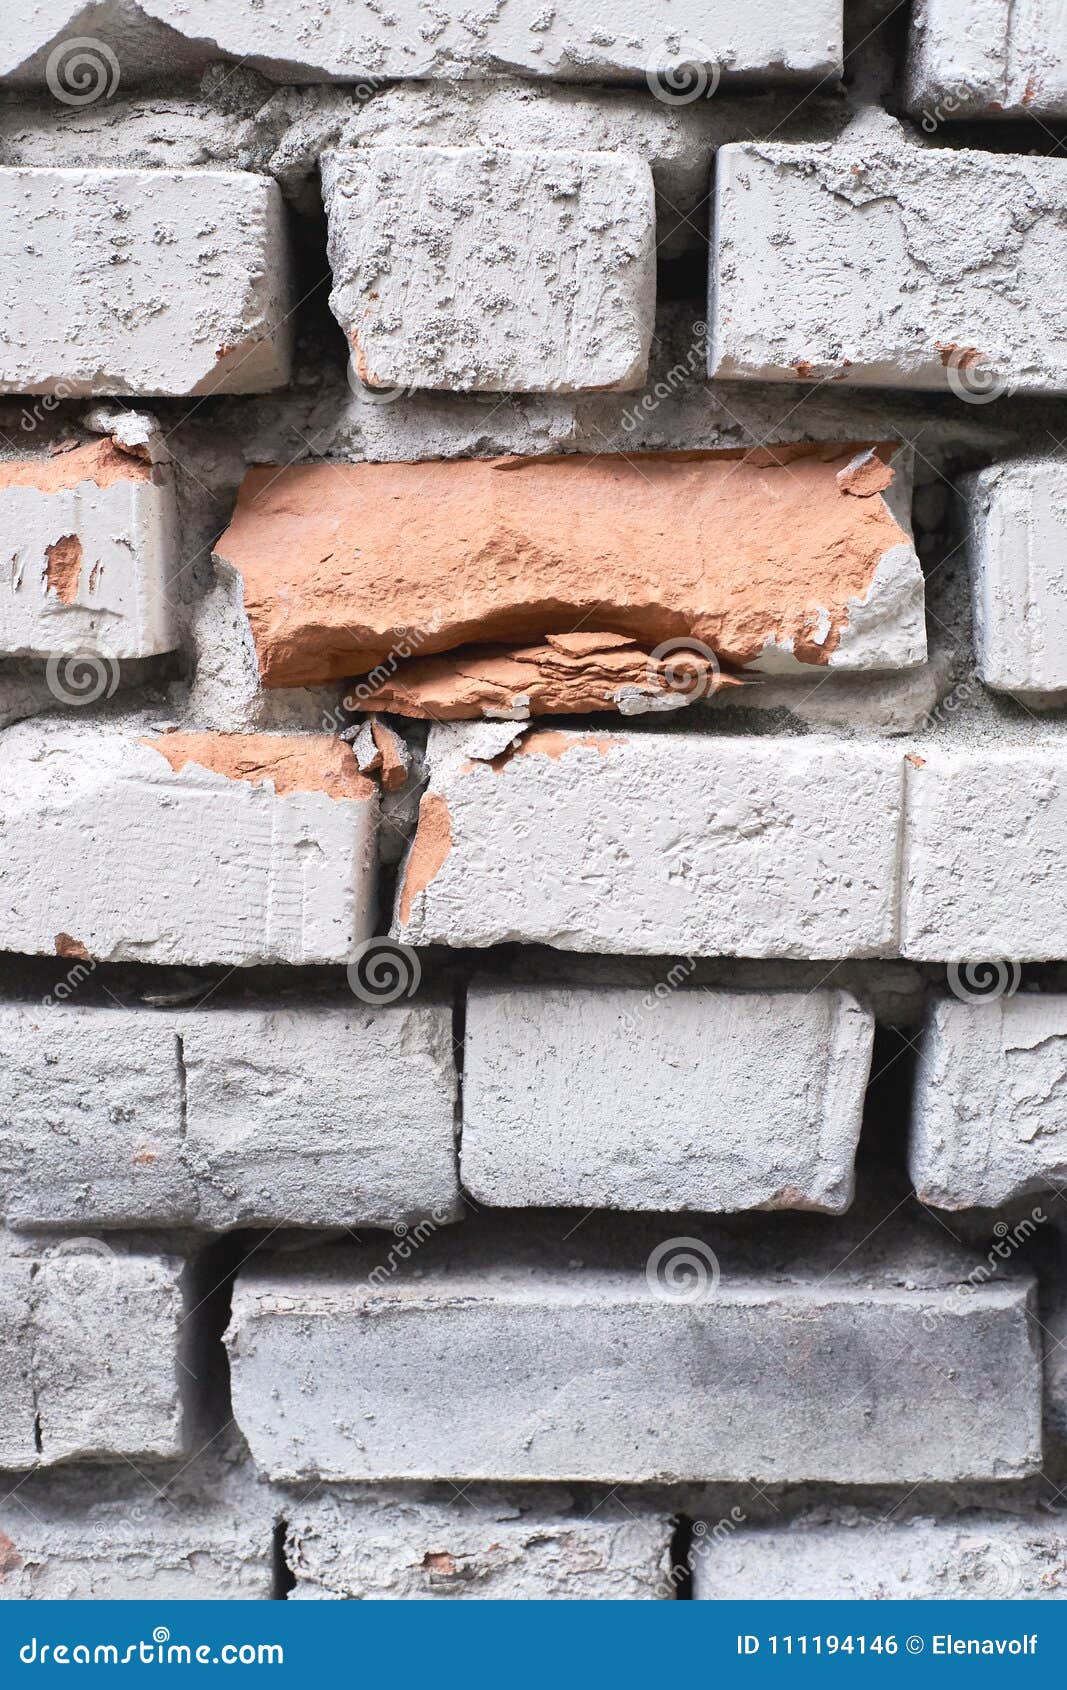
x=1018 y=516
x=576 y=1097
x=172 y=282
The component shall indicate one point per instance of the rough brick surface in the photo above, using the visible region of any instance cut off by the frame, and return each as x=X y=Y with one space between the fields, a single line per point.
x=329 y=1115
x=106 y=1535
x=493 y=271
x=1018 y=520
x=799 y=41
x=985 y=853
x=980 y=1558
x=247 y=849
x=88 y=549
x=779 y=559
x=987 y=1122
x=848 y=1379
x=937 y=269
x=366 y=1544
x=650 y=843
x=981 y=59
x=92 y=1340
x=173 y=282
x=576 y=1097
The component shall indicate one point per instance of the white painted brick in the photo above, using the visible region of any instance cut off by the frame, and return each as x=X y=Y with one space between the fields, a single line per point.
x=477 y=1359
x=142 y=282
x=987 y=1122
x=876 y=262
x=18 y=1448
x=631 y=1100
x=981 y=1558
x=985 y=59
x=104 y=842
x=658 y=843
x=113 y=520
x=99 y=1534
x=797 y=40
x=985 y=853
x=491 y=270
x=91 y=1347
x=333 y=1115
x=386 y=1545
x=1018 y=523
x=107 y=1330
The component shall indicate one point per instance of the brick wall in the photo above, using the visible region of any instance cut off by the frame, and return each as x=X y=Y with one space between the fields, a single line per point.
x=533 y=801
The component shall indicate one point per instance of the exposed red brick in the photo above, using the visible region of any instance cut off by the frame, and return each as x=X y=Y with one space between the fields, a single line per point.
x=64 y=567
x=293 y=763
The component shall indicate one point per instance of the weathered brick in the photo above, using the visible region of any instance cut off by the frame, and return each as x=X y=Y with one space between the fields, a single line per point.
x=779 y=558
x=371 y=1544
x=983 y=1557
x=327 y=1114
x=91 y=1338
x=88 y=549
x=987 y=1123
x=186 y=848
x=95 y=1534
x=311 y=40
x=654 y=843
x=483 y=1354
x=934 y=268
x=1018 y=534
x=575 y=1096
x=172 y=282
x=985 y=853
x=491 y=270
x=982 y=59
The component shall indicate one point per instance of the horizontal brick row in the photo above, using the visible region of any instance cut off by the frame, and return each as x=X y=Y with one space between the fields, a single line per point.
x=771 y=1372
x=244 y=849
x=90 y=1343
